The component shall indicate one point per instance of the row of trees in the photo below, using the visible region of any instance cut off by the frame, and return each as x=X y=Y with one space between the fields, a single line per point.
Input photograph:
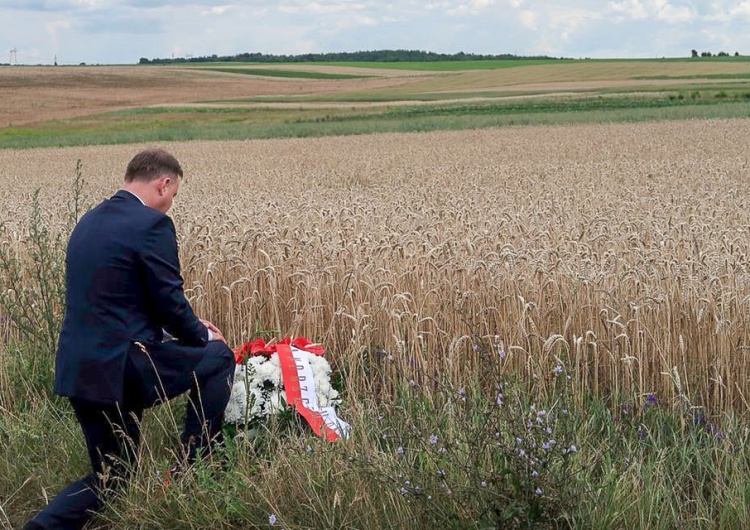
x=365 y=56
x=694 y=53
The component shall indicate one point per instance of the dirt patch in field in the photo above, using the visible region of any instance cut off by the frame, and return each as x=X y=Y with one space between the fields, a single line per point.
x=31 y=95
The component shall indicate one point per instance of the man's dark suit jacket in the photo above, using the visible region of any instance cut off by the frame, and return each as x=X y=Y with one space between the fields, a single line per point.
x=123 y=285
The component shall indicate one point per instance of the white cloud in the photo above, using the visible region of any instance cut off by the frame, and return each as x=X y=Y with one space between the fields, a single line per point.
x=742 y=10
x=52 y=28
x=364 y=20
x=479 y=5
x=528 y=19
x=673 y=15
x=472 y=7
x=653 y=9
x=216 y=10
x=630 y=8
x=321 y=7
x=124 y=30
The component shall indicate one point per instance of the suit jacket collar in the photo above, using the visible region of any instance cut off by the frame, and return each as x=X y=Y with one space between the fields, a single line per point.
x=128 y=196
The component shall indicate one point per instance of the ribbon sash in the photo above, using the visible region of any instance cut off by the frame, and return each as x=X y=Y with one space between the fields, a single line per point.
x=299 y=384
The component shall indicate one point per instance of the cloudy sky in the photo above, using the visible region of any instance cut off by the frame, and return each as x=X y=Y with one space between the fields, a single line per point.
x=123 y=31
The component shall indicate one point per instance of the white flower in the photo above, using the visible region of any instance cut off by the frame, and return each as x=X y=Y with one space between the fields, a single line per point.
x=318 y=362
x=329 y=399
x=235 y=411
x=259 y=383
x=276 y=402
x=257 y=408
x=256 y=361
x=270 y=372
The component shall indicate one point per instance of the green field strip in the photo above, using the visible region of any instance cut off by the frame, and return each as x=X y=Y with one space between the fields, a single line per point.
x=369 y=97
x=273 y=72
x=189 y=123
x=453 y=66
x=434 y=66
x=697 y=76
x=449 y=66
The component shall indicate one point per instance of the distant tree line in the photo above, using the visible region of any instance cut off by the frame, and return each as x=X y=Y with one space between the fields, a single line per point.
x=694 y=53
x=361 y=56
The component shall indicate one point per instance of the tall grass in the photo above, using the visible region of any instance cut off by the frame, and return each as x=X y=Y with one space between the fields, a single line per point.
x=462 y=283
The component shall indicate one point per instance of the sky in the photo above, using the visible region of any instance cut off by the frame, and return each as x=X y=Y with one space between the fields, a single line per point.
x=124 y=31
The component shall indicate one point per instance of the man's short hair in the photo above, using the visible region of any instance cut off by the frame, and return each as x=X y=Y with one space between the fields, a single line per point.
x=150 y=164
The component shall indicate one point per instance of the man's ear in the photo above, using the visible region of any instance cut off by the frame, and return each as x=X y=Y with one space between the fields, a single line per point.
x=163 y=183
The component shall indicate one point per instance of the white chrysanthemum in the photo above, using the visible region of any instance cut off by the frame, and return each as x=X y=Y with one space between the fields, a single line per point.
x=274 y=360
x=276 y=402
x=260 y=382
x=244 y=389
x=268 y=371
x=327 y=395
x=322 y=386
x=320 y=366
x=255 y=361
x=257 y=399
x=235 y=411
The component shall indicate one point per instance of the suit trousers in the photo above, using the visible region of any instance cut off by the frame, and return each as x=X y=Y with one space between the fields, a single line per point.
x=154 y=373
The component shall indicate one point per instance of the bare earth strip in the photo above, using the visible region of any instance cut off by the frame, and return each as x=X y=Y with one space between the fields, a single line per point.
x=33 y=94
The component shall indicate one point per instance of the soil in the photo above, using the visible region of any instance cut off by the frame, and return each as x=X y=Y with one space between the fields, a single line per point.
x=35 y=94
x=32 y=94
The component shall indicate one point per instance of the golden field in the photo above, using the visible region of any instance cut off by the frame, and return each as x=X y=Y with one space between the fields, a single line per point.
x=619 y=251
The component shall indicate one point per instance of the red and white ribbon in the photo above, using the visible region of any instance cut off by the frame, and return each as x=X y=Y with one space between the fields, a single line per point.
x=299 y=382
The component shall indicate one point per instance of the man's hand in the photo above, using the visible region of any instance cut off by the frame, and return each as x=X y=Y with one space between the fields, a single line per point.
x=215 y=332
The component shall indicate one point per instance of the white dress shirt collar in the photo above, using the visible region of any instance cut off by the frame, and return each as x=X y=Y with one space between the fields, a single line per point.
x=136 y=196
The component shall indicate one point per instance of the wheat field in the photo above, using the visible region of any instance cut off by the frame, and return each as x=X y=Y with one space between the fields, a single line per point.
x=618 y=251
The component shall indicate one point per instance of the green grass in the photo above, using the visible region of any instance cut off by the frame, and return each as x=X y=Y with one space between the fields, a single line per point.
x=383 y=96
x=435 y=66
x=232 y=123
x=273 y=72
x=656 y=467
x=703 y=76
x=489 y=64
x=449 y=66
